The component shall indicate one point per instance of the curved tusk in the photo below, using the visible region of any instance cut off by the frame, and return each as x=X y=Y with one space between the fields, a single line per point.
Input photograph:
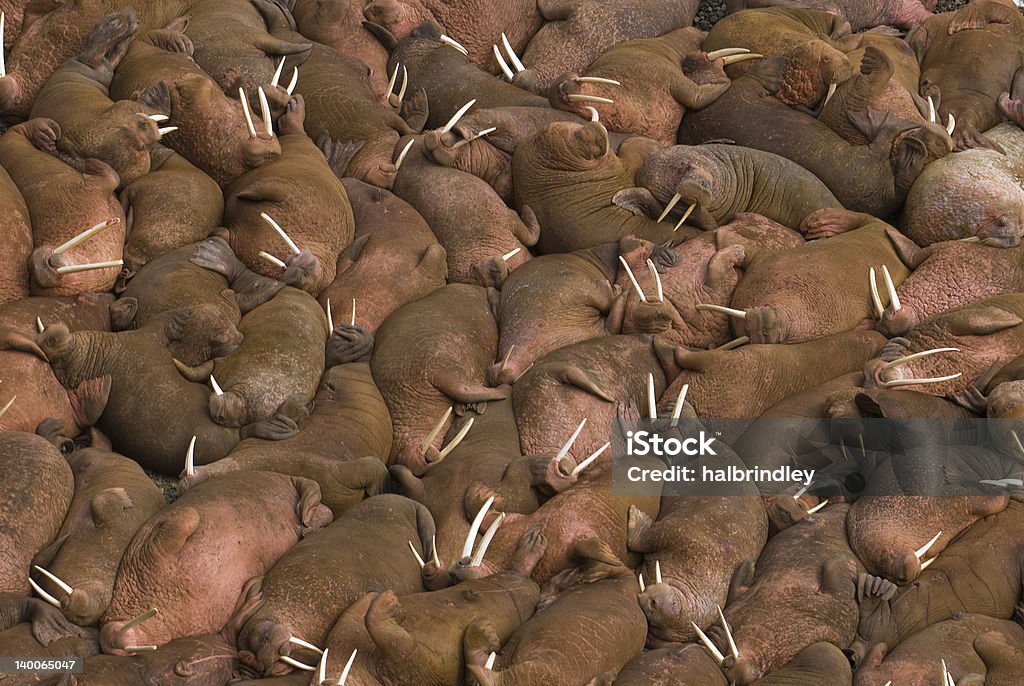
x=894 y=300
x=216 y=386
x=509 y=255
x=512 y=53
x=85 y=235
x=64 y=586
x=405 y=84
x=657 y=572
x=668 y=208
x=919 y=382
x=707 y=642
x=401 y=155
x=435 y=431
x=273 y=260
x=190 y=458
x=932 y=116
x=455 y=44
x=950 y=124
x=247 y=113
x=75 y=268
x=579 y=97
x=733 y=59
x=509 y=74
x=657 y=279
x=280 y=232
x=277 y=72
x=731 y=311
x=594 y=116
x=726 y=52
x=474 y=529
x=678 y=408
x=817 y=508
x=728 y=634
x=686 y=215
x=294 y=82
x=597 y=79
x=295 y=663
x=830 y=93
x=652 y=406
x=457 y=116
x=572 y=439
x=919 y=553
x=305 y=644
x=265 y=109
x=418 y=558
x=486 y=543
x=593 y=456
x=636 y=284
x=876 y=299
x=322 y=673
x=923 y=353
x=455 y=441
x=348 y=667
x=43 y=594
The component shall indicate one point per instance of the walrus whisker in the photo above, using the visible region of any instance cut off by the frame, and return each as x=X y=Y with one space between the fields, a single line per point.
x=296 y=664
x=598 y=79
x=894 y=300
x=446 y=450
x=817 y=508
x=725 y=52
x=512 y=54
x=348 y=667
x=43 y=594
x=918 y=355
x=580 y=97
x=876 y=299
x=919 y=553
x=707 y=642
x=435 y=431
x=295 y=80
x=564 y=450
x=457 y=116
x=657 y=279
x=728 y=634
x=632 y=278
x=273 y=260
x=478 y=558
x=657 y=572
x=304 y=644
x=593 y=456
x=509 y=74
x=919 y=382
x=64 y=586
x=418 y=558
x=277 y=227
x=455 y=44
x=85 y=235
x=474 y=529
x=75 y=268
x=216 y=386
x=401 y=155
x=265 y=110
x=731 y=311
x=677 y=409
x=652 y=405
x=686 y=215
x=509 y=255
x=190 y=458
x=671 y=203
x=247 y=113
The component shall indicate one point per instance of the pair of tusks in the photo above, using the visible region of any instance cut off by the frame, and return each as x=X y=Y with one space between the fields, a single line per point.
x=322 y=674
x=920 y=552
x=636 y=284
x=147 y=615
x=64 y=586
x=264 y=108
x=433 y=553
x=580 y=97
x=894 y=299
x=733 y=55
x=657 y=576
x=947 y=678
x=511 y=55
x=448 y=40
x=445 y=450
x=451 y=124
x=728 y=635
x=160 y=118
x=732 y=312
x=914 y=356
x=564 y=450
x=671 y=204
x=81 y=238
x=288 y=660
x=7 y=406
x=287 y=239
x=934 y=119
x=394 y=79
x=277 y=76
x=652 y=403
x=476 y=559
x=330 y=317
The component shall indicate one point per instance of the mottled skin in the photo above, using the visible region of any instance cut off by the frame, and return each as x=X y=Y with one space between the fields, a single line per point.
x=62 y=202
x=726 y=179
x=719 y=379
x=469 y=219
x=904 y=14
x=39 y=486
x=750 y=114
x=339 y=25
x=16 y=234
x=196 y=557
x=394 y=258
x=992 y=34
x=915 y=660
x=577 y=32
x=602 y=610
x=680 y=665
x=364 y=550
x=90 y=311
x=93 y=125
x=753 y=229
x=424 y=363
x=661 y=78
x=175 y=204
x=795 y=601
x=567 y=174
x=974 y=193
x=207 y=660
x=113 y=498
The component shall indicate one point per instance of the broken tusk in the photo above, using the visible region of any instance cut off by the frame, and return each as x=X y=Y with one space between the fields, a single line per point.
x=919 y=382
x=733 y=59
x=677 y=409
x=830 y=93
x=273 y=260
x=247 y=113
x=686 y=215
x=190 y=458
x=509 y=74
x=445 y=451
x=728 y=634
x=597 y=79
x=306 y=644
x=657 y=572
x=512 y=53
x=579 y=97
x=915 y=356
x=418 y=558
x=455 y=44
x=932 y=117
x=348 y=667
x=474 y=529
x=265 y=109
x=434 y=432
x=509 y=255
x=572 y=439
x=7 y=406
x=636 y=284
x=43 y=594
x=671 y=203
x=296 y=664
x=817 y=508
x=707 y=642
x=657 y=279
x=277 y=227
x=486 y=543
x=652 y=407
x=75 y=268
x=876 y=299
x=85 y=235
x=919 y=553
x=894 y=300
x=401 y=155
x=587 y=462
x=457 y=116
x=950 y=124
x=731 y=311
x=726 y=52
x=489 y=665
x=216 y=386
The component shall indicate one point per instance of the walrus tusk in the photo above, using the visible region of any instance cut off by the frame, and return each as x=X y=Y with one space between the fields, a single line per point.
x=512 y=54
x=43 y=594
x=3 y=57
x=734 y=343
x=971 y=239
x=478 y=558
x=593 y=456
x=572 y=439
x=509 y=74
x=158 y=118
x=405 y=83
x=876 y=299
x=64 y=586
x=322 y=673
x=247 y=113
x=830 y=93
x=894 y=300
x=707 y=642
x=657 y=572
x=636 y=284
x=932 y=117
x=433 y=551
x=435 y=431
x=75 y=268
x=401 y=155
x=918 y=355
x=597 y=79
x=330 y=317
x=273 y=260
x=348 y=667
x=85 y=235
x=39 y=325
x=733 y=59
x=418 y=558
x=919 y=553
x=391 y=81
x=945 y=674
x=918 y=382
x=594 y=116
x=135 y=621
x=950 y=124
x=306 y=644
x=8 y=406
x=190 y=458
x=265 y=110
x=508 y=353
x=216 y=386
x=671 y=203
x=166 y=130
x=817 y=508
x=678 y=408
x=446 y=450
x=295 y=80
x=353 y=322
x=473 y=138
x=140 y=649
x=726 y=52
x=640 y=578
x=1016 y=438
x=474 y=529
x=927 y=563
x=652 y=405
x=489 y=665
x=731 y=311
x=728 y=634
x=509 y=255
x=657 y=279
x=455 y=44
x=277 y=73
x=457 y=116
x=579 y=97
x=277 y=227
x=686 y=215
x=296 y=664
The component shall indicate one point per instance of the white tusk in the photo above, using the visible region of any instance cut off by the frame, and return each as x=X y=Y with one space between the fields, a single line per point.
x=919 y=553
x=433 y=551
x=7 y=406
x=455 y=44
x=457 y=116
x=353 y=322
x=247 y=113
x=405 y=84
x=486 y=543
x=509 y=74
x=817 y=508
x=923 y=353
x=728 y=634
x=64 y=586
x=950 y=124
x=1013 y=433
x=435 y=431
x=322 y=674
x=348 y=667
x=216 y=386
x=733 y=59
x=586 y=463
x=489 y=665
x=597 y=79
x=971 y=239
x=135 y=621
x=509 y=255
x=43 y=594
x=140 y=649
x=678 y=408
x=800 y=492
x=945 y=674
x=190 y=458
x=74 y=268
x=473 y=138
x=579 y=97
x=273 y=260
x=640 y=578
x=330 y=316
x=636 y=285
x=876 y=299
x=707 y=642
x=295 y=80
x=894 y=300
x=932 y=117
x=158 y=118
x=39 y=325
x=572 y=439
x=652 y=406
x=512 y=53
x=265 y=109
x=686 y=215
x=305 y=644
x=85 y=235
x=726 y=52
x=3 y=58
x=731 y=311
x=919 y=382
x=418 y=558
x=927 y=563
x=474 y=529
x=295 y=663
x=671 y=203
x=446 y=450
x=277 y=227
x=734 y=343
x=391 y=82
x=166 y=130
x=657 y=279
x=831 y=92
x=401 y=155
x=657 y=572
x=594 y=116
x=277 y=72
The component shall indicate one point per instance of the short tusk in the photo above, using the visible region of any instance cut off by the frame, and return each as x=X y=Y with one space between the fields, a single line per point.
x=418 y=558
x=294 y=82
x=474 y=529
x=970 y=239
x=509 y=255
x=668 y=208
x=75 y=268
x=932 y=117
x=636 y=284
x=489 y=665
x=445 y=451
x=216 y=386
x=597 y=79
x=830 y=93
x=594 y=116
x=640 y=578
x=657 y=572
x=135 y=621
x=728 y=634
x=457 y=116
x=677 y=409
x=707 y=642
x=733 y=59
x=919 y=553
x=273 y=260
x=572 y=439
x=686 y=215
x=579 y=97
x=435 y=431
x=919 y=382
x=731 y=311
x=657 y=279
x=486 y=543
x=512 y=53
x=247 y=113
x=509 y=74
x=894 y=300
x=817 y=508
x=85 y=235
x=43 y=594
x=295 y=663
x=190 y=458
x=140 y=649
x=401 y=155
x=726 y=52
x=950 y=124
x=39 y=325
x=265 y=109
x=433 y=552
x=166 y=130
x=587 y=462
x=158 y=118
x=353 y=322
x=348 y=667
x=1016 y=439
x=455 y=44
x=306 y=644
x=918 y=355
x=277 y=72
x=277 y=227
x=652 y=405
x=876 y=299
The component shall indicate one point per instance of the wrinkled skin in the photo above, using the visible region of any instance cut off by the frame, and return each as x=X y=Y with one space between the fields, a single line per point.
x=44 y=622
x=423 y=364
x=113 y=498
x=193 y=538
x=339 y=25
x=981 y=195
x=818 y=663
x=992 y=34
x=904 y=14
x=27 y=152
x=326 y=572
x=393 y=259
x=160 y=54
x=676 y=666
x=16 y=234
x=207 y=660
